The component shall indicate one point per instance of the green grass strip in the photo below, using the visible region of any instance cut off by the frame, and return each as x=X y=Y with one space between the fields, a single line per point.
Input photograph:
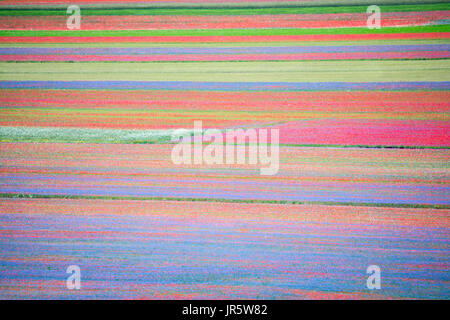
x=288 y=202
x=83 y=135
x=221 y=32
x=259 y=71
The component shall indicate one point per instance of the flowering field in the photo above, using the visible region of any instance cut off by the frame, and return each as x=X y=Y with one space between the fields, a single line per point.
x=86 y=176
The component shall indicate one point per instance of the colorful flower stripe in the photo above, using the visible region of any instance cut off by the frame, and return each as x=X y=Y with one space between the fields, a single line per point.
x=132 y=22
x=147 y=171
x=287 y=101
x=241 y=57
x=443 y=28
x=366 y=132
x=225 y=50
x=138 y=249
x=312 y=129
x=225 y=86
x=86 y=175
x=218 y=39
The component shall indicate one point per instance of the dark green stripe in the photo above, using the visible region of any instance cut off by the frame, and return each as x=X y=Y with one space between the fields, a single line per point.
x=220 y=32
x=328 y=203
